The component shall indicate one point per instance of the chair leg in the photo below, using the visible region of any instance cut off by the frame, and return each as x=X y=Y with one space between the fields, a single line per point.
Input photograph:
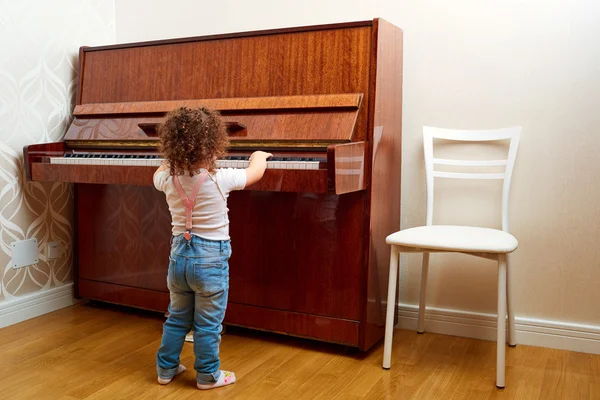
x=512 y=332
x=422 y=300
x=391 y=302
x=501 y=340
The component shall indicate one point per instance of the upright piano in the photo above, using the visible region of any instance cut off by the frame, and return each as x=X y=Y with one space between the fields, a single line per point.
x=309 y=255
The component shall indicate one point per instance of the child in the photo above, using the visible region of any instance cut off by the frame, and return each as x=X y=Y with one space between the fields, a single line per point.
x=191 y=141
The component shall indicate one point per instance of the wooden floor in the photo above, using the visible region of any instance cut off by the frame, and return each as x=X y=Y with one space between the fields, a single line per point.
x=104 y=352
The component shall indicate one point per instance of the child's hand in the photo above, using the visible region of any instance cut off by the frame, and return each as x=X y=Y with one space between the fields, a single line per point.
x=260 y=154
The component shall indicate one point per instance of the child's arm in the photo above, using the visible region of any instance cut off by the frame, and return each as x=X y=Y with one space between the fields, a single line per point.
x=163 y=167
x=158 y=183
x=256 y=169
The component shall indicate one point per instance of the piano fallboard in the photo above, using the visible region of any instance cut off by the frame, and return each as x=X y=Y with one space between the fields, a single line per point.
x=275 y=121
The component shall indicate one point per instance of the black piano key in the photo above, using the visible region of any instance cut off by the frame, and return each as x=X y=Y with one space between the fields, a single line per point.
x=68 y=155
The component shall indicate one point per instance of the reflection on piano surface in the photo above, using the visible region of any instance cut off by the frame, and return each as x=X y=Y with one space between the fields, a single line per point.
x=309 y=257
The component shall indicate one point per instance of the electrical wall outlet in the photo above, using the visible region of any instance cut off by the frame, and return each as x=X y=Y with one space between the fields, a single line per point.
x=24 y=253
x=55 y=250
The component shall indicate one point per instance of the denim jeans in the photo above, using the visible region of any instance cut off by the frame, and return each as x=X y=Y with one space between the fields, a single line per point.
x=198 y=280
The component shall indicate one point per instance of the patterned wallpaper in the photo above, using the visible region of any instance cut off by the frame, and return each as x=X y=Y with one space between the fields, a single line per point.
x=38 y=76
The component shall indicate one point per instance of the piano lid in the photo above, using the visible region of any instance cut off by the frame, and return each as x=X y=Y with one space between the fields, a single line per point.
x=311 y=121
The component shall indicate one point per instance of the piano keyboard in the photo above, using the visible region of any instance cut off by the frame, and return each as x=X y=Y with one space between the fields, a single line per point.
x=155 y=161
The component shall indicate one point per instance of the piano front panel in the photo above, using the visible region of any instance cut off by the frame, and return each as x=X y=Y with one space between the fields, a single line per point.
x=311 y=262
x=312 y=62
x=123 y=235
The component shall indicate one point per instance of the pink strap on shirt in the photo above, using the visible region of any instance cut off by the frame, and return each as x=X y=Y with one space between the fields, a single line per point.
x=189 y=204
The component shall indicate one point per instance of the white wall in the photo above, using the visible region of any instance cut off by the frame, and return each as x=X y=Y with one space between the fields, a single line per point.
x=472 y=64
x=140 y=20
x=38 y=75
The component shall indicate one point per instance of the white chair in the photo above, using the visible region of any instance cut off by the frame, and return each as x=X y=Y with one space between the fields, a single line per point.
x=481 y=242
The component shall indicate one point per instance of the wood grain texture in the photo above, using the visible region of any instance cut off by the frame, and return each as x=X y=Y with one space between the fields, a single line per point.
x=35 y=153
x=80 y=62
x=124 y=231
x=327 y=102
x=384 y=168
x=333 y=330
x=325 y=126
x=94 y=352
x=123 y=235
x=307 y=243
x=107 y=174
x=138 y=297
x=236 y=35
x=276 y=180
x=316 y=62
x=278 y=264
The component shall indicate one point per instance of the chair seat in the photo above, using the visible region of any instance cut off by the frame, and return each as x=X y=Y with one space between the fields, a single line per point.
x=455 y=238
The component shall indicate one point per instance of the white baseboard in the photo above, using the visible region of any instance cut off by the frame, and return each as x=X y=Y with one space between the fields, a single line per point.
x=530 y=331
x=35 y=304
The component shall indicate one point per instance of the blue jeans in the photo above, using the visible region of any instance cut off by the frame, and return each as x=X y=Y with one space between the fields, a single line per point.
x=198 y=280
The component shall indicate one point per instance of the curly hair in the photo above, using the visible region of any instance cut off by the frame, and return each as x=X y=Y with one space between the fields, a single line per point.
x=192 y=138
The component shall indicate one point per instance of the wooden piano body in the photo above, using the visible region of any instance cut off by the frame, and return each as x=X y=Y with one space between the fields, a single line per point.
x=309 y=254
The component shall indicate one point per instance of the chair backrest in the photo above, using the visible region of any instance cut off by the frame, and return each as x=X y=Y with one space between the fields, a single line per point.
x=429 y=133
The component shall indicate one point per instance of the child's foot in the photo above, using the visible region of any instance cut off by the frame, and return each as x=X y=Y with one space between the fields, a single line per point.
x=164 y=381
x=226 y=378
